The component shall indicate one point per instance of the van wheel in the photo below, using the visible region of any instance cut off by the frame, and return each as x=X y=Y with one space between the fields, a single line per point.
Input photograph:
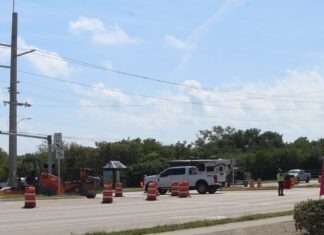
x=202 y=187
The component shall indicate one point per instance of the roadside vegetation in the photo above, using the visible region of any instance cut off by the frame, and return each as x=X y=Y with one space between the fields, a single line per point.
x=194 y=224
x=257 y=152
x=309 y=216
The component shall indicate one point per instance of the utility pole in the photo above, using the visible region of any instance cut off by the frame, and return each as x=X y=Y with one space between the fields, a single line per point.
x=13 y=104
x=13 y=101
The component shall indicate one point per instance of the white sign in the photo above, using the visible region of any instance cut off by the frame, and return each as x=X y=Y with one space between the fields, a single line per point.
x=58 y=146
x=59 y=153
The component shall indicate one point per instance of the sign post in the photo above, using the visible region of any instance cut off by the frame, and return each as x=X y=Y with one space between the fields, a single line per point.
x=59 y=153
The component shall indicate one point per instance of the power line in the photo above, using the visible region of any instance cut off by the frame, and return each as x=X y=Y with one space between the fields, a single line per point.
x=219 y=91
x=160 y=98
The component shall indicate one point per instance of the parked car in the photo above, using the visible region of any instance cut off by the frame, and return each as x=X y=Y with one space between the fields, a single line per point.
x=300 y=174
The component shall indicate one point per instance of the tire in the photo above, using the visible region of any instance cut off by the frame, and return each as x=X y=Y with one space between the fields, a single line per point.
x=162 y=191
x=202 y=187
x=307 y=180
x=91 y=194
x=212 y=189
x=45 y=190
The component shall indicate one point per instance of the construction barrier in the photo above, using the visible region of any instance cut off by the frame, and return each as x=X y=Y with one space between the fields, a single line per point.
x=118 y=190
x=295 y=180
x=251 y=183
x=152 y=191
x=30 y=197
x=175 y=188
x=319 y=178
x=183 y=188
x=259 y=183
x=107 y=194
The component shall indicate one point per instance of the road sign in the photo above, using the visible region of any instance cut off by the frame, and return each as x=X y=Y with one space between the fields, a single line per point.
x=58 y=146
x=58 y=143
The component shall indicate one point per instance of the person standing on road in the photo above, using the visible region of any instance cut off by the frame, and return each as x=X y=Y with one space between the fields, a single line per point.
x=280 y=179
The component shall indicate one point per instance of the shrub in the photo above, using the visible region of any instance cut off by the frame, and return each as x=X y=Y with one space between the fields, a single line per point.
x=309 y=215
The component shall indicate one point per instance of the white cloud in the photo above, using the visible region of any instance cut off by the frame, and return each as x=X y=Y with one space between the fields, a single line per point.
x=174 y=42
x=192 y=41
x=100 y=33
x=49 y=64
x=86 y=24
x=291 y=106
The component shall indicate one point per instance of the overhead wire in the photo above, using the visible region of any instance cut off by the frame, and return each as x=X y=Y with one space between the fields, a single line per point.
x=157 y=98
x=219 y=91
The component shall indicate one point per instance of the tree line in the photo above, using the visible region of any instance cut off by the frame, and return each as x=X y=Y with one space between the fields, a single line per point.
x=260 y=153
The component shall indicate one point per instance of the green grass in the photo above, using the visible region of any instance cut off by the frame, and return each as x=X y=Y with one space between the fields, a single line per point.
x=194 y=224
x=20 y=197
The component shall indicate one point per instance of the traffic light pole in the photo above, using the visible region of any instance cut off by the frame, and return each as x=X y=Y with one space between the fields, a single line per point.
x=49 y=145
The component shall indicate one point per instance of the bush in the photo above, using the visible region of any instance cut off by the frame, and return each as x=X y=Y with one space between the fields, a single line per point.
x=309 y=215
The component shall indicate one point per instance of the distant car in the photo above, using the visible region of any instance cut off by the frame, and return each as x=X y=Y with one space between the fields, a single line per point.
x=300 y=174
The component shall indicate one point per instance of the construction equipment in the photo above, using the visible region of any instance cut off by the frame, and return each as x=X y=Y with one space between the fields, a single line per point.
x=82 y=181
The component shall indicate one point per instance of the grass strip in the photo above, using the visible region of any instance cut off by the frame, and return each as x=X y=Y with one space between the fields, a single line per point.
x=193 y=224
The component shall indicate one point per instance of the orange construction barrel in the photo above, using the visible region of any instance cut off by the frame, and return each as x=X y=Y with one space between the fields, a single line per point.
x=30 y=197
x=118 y=190
x=174 y=188
x=184 y=188
x=152 y=191
x=259 y=183
x=251 y=183
x=107 y=194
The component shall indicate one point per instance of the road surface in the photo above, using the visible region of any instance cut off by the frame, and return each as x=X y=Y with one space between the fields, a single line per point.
x=66 y=216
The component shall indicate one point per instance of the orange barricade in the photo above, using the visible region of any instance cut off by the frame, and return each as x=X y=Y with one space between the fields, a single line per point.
x=259 y=183
x=251 y=183
x=175 y=188
x=118 y=190
x=30 y=197
x=183 y=188
x=319 y=178
x=107 y=194
x=152 y=191
x=295 y=180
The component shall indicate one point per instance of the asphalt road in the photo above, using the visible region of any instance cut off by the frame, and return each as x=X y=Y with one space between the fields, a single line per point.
x=66 y=216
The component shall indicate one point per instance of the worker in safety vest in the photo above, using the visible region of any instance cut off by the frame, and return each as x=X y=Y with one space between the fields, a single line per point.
x=280 y=179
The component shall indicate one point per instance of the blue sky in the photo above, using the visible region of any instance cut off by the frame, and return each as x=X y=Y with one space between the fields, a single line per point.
x=242 y=63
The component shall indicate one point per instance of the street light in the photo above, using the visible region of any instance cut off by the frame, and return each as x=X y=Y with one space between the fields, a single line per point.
x=23 y=119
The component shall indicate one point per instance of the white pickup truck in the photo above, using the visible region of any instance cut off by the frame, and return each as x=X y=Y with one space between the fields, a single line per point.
x=201 y=181
x=300 y=174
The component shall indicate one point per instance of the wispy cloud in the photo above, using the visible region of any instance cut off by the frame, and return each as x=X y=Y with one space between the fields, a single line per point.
x=191 y=43
x=291 y=105
x=177 y=43
x=100 y=33
x=46 y=65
